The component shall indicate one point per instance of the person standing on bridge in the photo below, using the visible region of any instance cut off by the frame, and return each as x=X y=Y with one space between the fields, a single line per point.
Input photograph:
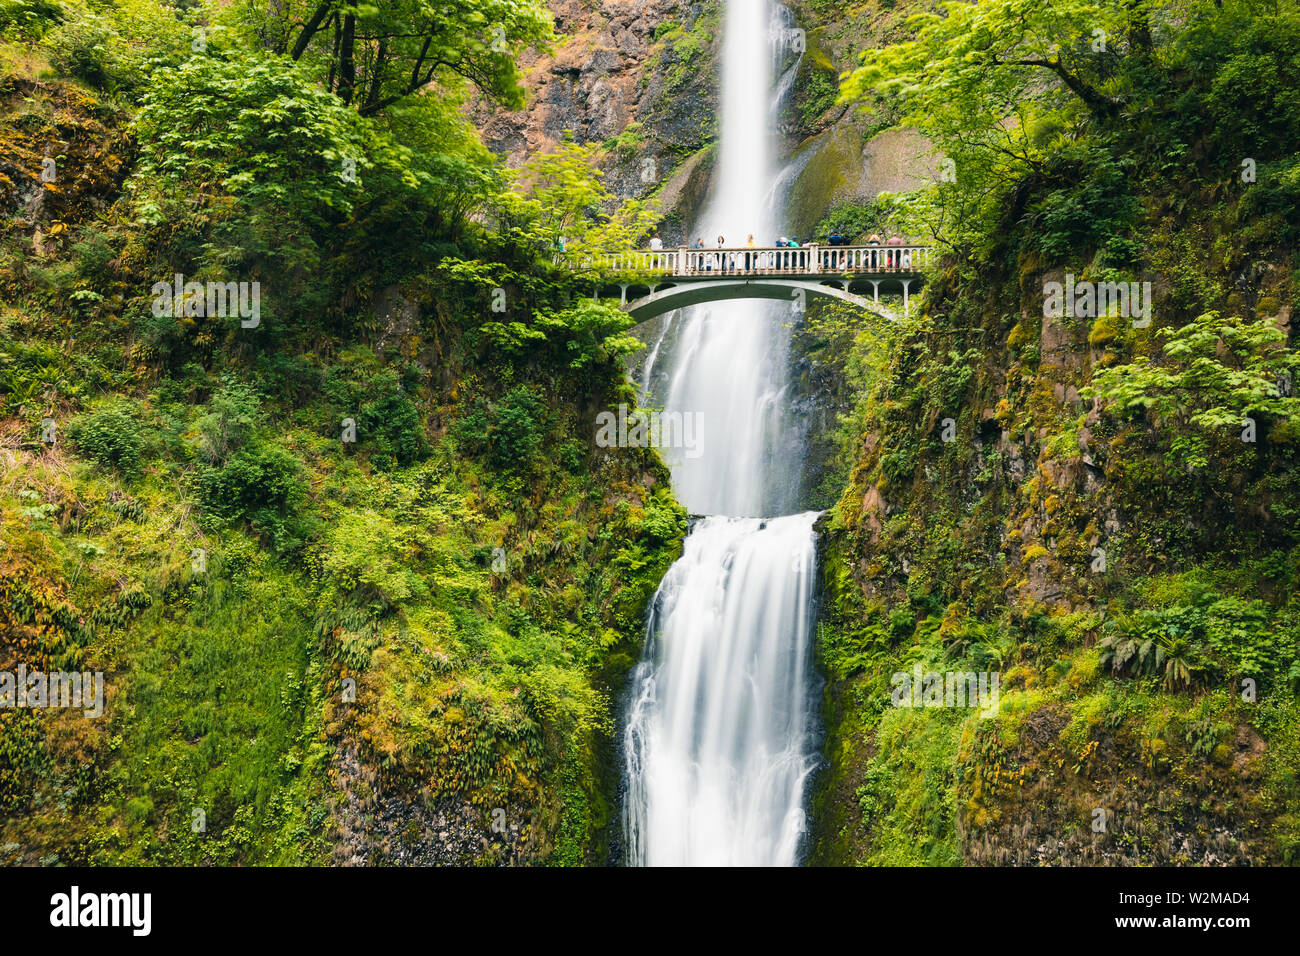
x=892 y=257
x=656 y=243
x=835 y=239
x=750 y=260
x=873 y=241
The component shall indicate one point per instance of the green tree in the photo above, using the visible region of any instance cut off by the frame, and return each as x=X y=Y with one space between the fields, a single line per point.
x=373 y=55
x=255 y=126
x=1007 y=89
x=561 y=204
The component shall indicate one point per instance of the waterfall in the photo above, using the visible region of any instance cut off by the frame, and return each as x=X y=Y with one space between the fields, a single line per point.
x=718 y=739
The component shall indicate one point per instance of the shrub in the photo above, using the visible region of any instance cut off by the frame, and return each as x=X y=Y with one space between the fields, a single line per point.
x=111 y=438
x=234 y=414
x=1187 y=642
x=107 y=46
x=1254 y=104
x=1097 y=208
x=261 y=484
x=28 y=19
x=391 y=422
x=508 y=432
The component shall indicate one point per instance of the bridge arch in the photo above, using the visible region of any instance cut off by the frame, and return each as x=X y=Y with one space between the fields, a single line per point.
x=718 y=290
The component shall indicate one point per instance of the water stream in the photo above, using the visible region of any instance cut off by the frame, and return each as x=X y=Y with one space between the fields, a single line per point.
x=719 y=731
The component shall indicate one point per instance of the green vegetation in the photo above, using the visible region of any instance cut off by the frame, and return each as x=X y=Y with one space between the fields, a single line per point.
x=348 y=546
x=1101 y=510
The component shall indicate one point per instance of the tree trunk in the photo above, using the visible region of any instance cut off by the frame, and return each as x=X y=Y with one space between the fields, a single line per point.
x=309 y=30
x=347 y=64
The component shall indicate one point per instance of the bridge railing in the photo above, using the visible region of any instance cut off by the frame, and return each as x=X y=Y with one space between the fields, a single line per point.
x=768 y=261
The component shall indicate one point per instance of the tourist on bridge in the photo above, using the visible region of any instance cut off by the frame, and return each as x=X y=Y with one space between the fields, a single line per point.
x=873 y=240
x=833 y=261
x=892 y=258
x=656 y=243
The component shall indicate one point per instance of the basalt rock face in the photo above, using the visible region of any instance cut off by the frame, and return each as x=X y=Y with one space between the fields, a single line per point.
x=63 y=156
x=375 y=826
x=634 y=75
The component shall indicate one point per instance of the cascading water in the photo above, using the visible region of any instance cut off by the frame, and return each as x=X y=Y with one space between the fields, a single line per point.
x=719 y=731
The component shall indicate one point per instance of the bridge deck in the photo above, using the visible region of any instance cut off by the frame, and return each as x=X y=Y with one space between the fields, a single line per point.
x=810 y=261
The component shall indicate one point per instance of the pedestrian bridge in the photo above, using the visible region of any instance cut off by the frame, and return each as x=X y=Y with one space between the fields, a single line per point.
x=676 y=278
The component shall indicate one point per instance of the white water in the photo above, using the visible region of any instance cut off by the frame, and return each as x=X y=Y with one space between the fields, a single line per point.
x=718 y=742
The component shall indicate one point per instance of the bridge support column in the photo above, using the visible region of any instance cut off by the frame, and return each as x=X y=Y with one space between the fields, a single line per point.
x=623 y=293
x=875 y=290
x=906 y=283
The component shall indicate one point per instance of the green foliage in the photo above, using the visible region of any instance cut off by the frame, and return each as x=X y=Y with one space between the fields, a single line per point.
x=1215 y=371
x=1273 y=201
x=110 y=436
x=371 y=56
x=855 y=220
x=261 y=128
x=1100 y=206
x=29 y=18
x=508 y=432
x=387 y=419
x=226 y=717
x=560 y=205
x=819 y=95
x=1253 y=98
x=592 y=333
x=975 y=65
x=234 y=415
x=1188 y=643
x=109 y=46
x=261 y=483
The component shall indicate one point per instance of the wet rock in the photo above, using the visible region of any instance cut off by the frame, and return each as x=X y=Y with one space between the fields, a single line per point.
x=372 y=826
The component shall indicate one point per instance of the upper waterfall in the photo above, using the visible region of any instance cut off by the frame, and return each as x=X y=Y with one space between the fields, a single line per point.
x=729 y=361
